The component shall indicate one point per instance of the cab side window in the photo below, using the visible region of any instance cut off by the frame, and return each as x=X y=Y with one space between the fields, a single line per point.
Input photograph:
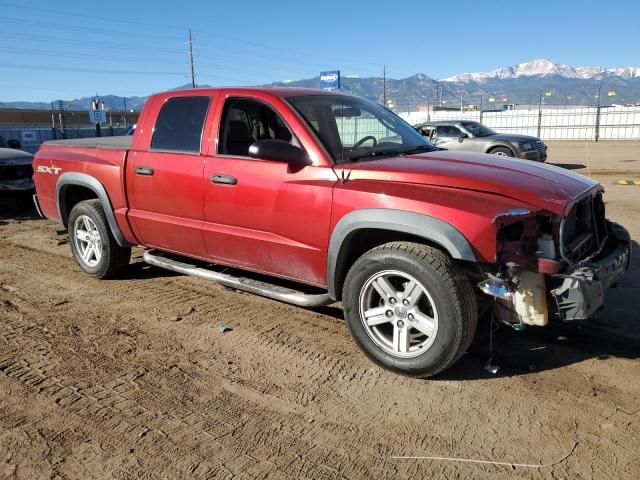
x=448 y=131
x=245 y=121
x=180 y=123
x=427 y=132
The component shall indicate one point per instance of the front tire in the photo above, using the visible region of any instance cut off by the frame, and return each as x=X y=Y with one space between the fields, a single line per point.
x=410 y=308
x=93 y=245
x=502 y=152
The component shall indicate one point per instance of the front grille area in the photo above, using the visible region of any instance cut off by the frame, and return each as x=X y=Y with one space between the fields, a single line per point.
x=15 y=172
x=541 y=147
x=584 y=230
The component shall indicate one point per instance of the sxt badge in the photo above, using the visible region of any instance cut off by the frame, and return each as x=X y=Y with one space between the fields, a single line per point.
x=52 y=170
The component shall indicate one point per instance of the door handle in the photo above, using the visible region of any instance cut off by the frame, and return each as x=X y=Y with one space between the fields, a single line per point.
x=223 y=179
x=144 y=171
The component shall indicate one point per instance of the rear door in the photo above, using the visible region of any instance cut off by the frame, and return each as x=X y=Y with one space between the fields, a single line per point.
x=164 y=175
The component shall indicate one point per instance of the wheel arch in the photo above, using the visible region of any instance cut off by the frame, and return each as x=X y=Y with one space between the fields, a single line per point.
x=493 y=146
x=73 y=187
x=394 y=225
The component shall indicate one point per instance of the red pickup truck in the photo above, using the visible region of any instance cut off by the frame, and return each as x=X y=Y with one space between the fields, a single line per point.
x=316 y=197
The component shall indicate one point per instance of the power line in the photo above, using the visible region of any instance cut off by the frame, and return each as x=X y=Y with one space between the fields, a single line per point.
x=87 y=56
x=204 y=46
x=205 y=33
x=275 y=68
x=76 y=28
x=137 y=93
x=81 y=15
x=222 y=61
x=87 y=70
x=84 y=42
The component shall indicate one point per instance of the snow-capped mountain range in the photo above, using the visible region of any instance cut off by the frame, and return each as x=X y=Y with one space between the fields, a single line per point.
x=520 y=84
x=544 y=68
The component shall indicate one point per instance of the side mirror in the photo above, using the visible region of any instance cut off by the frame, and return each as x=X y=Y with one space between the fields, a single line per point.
x=462 y=137
x=280 y=151
x=13 y=143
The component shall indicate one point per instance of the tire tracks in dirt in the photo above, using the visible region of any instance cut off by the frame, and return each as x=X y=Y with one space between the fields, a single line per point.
x=284 y=394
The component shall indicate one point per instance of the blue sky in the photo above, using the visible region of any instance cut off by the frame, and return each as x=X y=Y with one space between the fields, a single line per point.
x=77 y=48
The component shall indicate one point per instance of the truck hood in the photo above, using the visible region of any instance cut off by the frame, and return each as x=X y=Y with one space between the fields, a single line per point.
x=10 y=156
x=544 y=186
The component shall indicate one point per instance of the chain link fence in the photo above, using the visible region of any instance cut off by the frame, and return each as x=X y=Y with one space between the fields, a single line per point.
x=582 y=123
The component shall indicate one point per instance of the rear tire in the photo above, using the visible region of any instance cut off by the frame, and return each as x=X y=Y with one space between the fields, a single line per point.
x=93 y=245
x=410 y=308
x=502 y=152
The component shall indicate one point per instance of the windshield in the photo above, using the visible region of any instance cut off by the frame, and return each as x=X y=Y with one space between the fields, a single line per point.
x=353 y=129
x=477 y=129
x=3 y=142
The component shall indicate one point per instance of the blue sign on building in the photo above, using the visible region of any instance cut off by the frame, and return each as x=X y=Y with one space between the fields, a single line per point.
x=330 y=80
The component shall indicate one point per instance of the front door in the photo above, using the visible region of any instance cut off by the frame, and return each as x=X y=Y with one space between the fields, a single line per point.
x=260 y=214
x=448 y=136
x=165 y=186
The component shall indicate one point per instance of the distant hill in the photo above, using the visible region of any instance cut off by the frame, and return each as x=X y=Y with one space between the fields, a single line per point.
x=520 y=84
x=112 y=102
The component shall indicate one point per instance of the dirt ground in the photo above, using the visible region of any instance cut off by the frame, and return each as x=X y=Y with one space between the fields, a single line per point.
x=131 y=378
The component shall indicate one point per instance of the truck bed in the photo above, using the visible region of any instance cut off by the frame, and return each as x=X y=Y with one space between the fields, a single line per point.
x=121 y=142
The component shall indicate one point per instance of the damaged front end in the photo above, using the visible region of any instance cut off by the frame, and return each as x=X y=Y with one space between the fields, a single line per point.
x=555 y=266
x=578 y=291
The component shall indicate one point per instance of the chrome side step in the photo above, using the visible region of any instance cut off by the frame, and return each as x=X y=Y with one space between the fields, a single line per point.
x=257 y=287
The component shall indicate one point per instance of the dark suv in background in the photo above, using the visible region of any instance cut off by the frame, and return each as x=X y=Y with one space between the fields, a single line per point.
x=475 y=137
x=16 y=170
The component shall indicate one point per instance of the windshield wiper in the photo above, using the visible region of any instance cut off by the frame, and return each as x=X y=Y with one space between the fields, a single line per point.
x=386 y=153
x=373 y=155
x=418 y=149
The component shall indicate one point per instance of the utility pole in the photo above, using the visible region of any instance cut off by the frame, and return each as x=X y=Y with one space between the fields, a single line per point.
x=480 y=100
x=125 y=111
x=597 y=128
x=61 y=119
x=539 y=112
x=461 y=103
x=384 y=86
x=193 y=71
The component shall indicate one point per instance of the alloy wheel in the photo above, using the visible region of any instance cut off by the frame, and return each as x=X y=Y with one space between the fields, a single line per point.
x=87 y=240
x=398 y=313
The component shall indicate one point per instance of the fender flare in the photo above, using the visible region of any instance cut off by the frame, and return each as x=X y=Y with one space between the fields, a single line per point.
x=83 y=180
x=425 y=226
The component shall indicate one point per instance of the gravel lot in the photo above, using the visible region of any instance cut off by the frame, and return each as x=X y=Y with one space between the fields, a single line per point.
x=131 y=378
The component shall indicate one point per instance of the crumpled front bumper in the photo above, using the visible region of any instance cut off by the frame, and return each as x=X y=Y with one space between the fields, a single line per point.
x=579 y=293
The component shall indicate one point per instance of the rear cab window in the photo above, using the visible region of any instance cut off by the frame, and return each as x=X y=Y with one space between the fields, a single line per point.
x=180 y=124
